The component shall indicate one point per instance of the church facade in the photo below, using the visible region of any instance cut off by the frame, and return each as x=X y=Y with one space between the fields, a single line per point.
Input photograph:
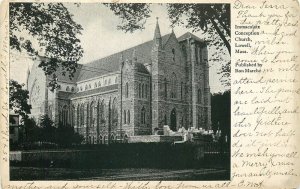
x=164 y=81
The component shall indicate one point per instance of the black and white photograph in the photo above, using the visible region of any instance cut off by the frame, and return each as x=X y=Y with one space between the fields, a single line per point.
x=119 y=91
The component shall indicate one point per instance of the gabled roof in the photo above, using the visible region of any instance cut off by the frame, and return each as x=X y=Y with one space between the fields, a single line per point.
x=111 y=63
x=189 y=35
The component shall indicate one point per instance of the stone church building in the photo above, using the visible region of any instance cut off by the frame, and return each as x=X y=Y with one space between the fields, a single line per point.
x=164 y=81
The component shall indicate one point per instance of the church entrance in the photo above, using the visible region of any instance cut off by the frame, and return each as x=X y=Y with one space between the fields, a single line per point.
x=173 y=120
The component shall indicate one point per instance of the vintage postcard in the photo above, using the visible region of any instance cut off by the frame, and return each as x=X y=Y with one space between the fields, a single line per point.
x=153 y=94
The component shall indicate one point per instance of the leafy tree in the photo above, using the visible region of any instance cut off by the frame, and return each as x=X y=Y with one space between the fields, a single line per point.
x=66 y=136
x=32 y=131
x=48 y=129
x=48 y=30
x=18 y=99
x=220 y=112
x=213 y=19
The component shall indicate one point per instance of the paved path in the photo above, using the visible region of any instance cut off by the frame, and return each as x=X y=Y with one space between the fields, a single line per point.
x=33 y=173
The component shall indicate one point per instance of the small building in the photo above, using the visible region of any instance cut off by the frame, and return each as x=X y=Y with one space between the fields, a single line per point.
x=15 y=129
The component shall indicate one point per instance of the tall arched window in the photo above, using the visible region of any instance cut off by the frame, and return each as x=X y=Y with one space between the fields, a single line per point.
x=165 y=88
x=114 y=113
x=199 y=96
x=87 y=119
x=173 y=55
x=68 y=88
x=200 y=55
x=101 y=118
x=99 y=84
x=181 y=90
x=143 y=90
x=143 y=116
x=92 y=118
x=126 y=90
x=65 y=115
x=173 y=86
x=140 y=90
x=128 y=116
x=124 y=116
x=82 y=115
x=78 y=117
x=196 y=54
x=165 y=120
x=146 y=91
x=95 y=85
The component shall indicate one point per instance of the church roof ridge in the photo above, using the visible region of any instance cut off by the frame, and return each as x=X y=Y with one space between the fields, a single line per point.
x=110 y=63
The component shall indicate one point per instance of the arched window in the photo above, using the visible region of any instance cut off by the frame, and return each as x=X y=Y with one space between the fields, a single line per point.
x=78 y=117
x=99 y=84
x=181 y=90
x=124 y=116
x=139 y=90
x=95 y=85
x=109 y=81
x=86 y=87
x=68 y=88
x=87 y=119
x=200 y=55
x=199 y=96
x=126 y=90
x=72 y=89
x=90 y=86
x=143 y=90
x=128 y=116
x=165 y=88
x=80 y=88
x=116 y=79
x=197 y=54
x=105 y=82
x=143 y=116
x=165 y=120
x=173 y=86
x=114 y=113
x=65 y=115
x=173 y=55
x=100 y=117
x=92 y=117
x=82 y=115
x=50 y=111
x=146 y=91
x=100 y=139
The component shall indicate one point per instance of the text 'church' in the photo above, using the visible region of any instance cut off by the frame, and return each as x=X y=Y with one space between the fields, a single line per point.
x=164 y=81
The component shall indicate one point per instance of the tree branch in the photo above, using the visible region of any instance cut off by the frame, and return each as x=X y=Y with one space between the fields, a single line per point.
x=221 y=35
x=220 y=21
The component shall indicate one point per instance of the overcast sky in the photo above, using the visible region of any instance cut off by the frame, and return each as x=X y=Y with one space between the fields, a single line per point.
x=101 y=38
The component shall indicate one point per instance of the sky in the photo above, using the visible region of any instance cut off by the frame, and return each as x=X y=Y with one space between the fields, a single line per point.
x=101 y=38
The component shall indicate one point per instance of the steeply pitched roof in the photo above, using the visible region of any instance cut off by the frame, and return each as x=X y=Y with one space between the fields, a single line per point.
x=189 y=35
x=111 y=63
